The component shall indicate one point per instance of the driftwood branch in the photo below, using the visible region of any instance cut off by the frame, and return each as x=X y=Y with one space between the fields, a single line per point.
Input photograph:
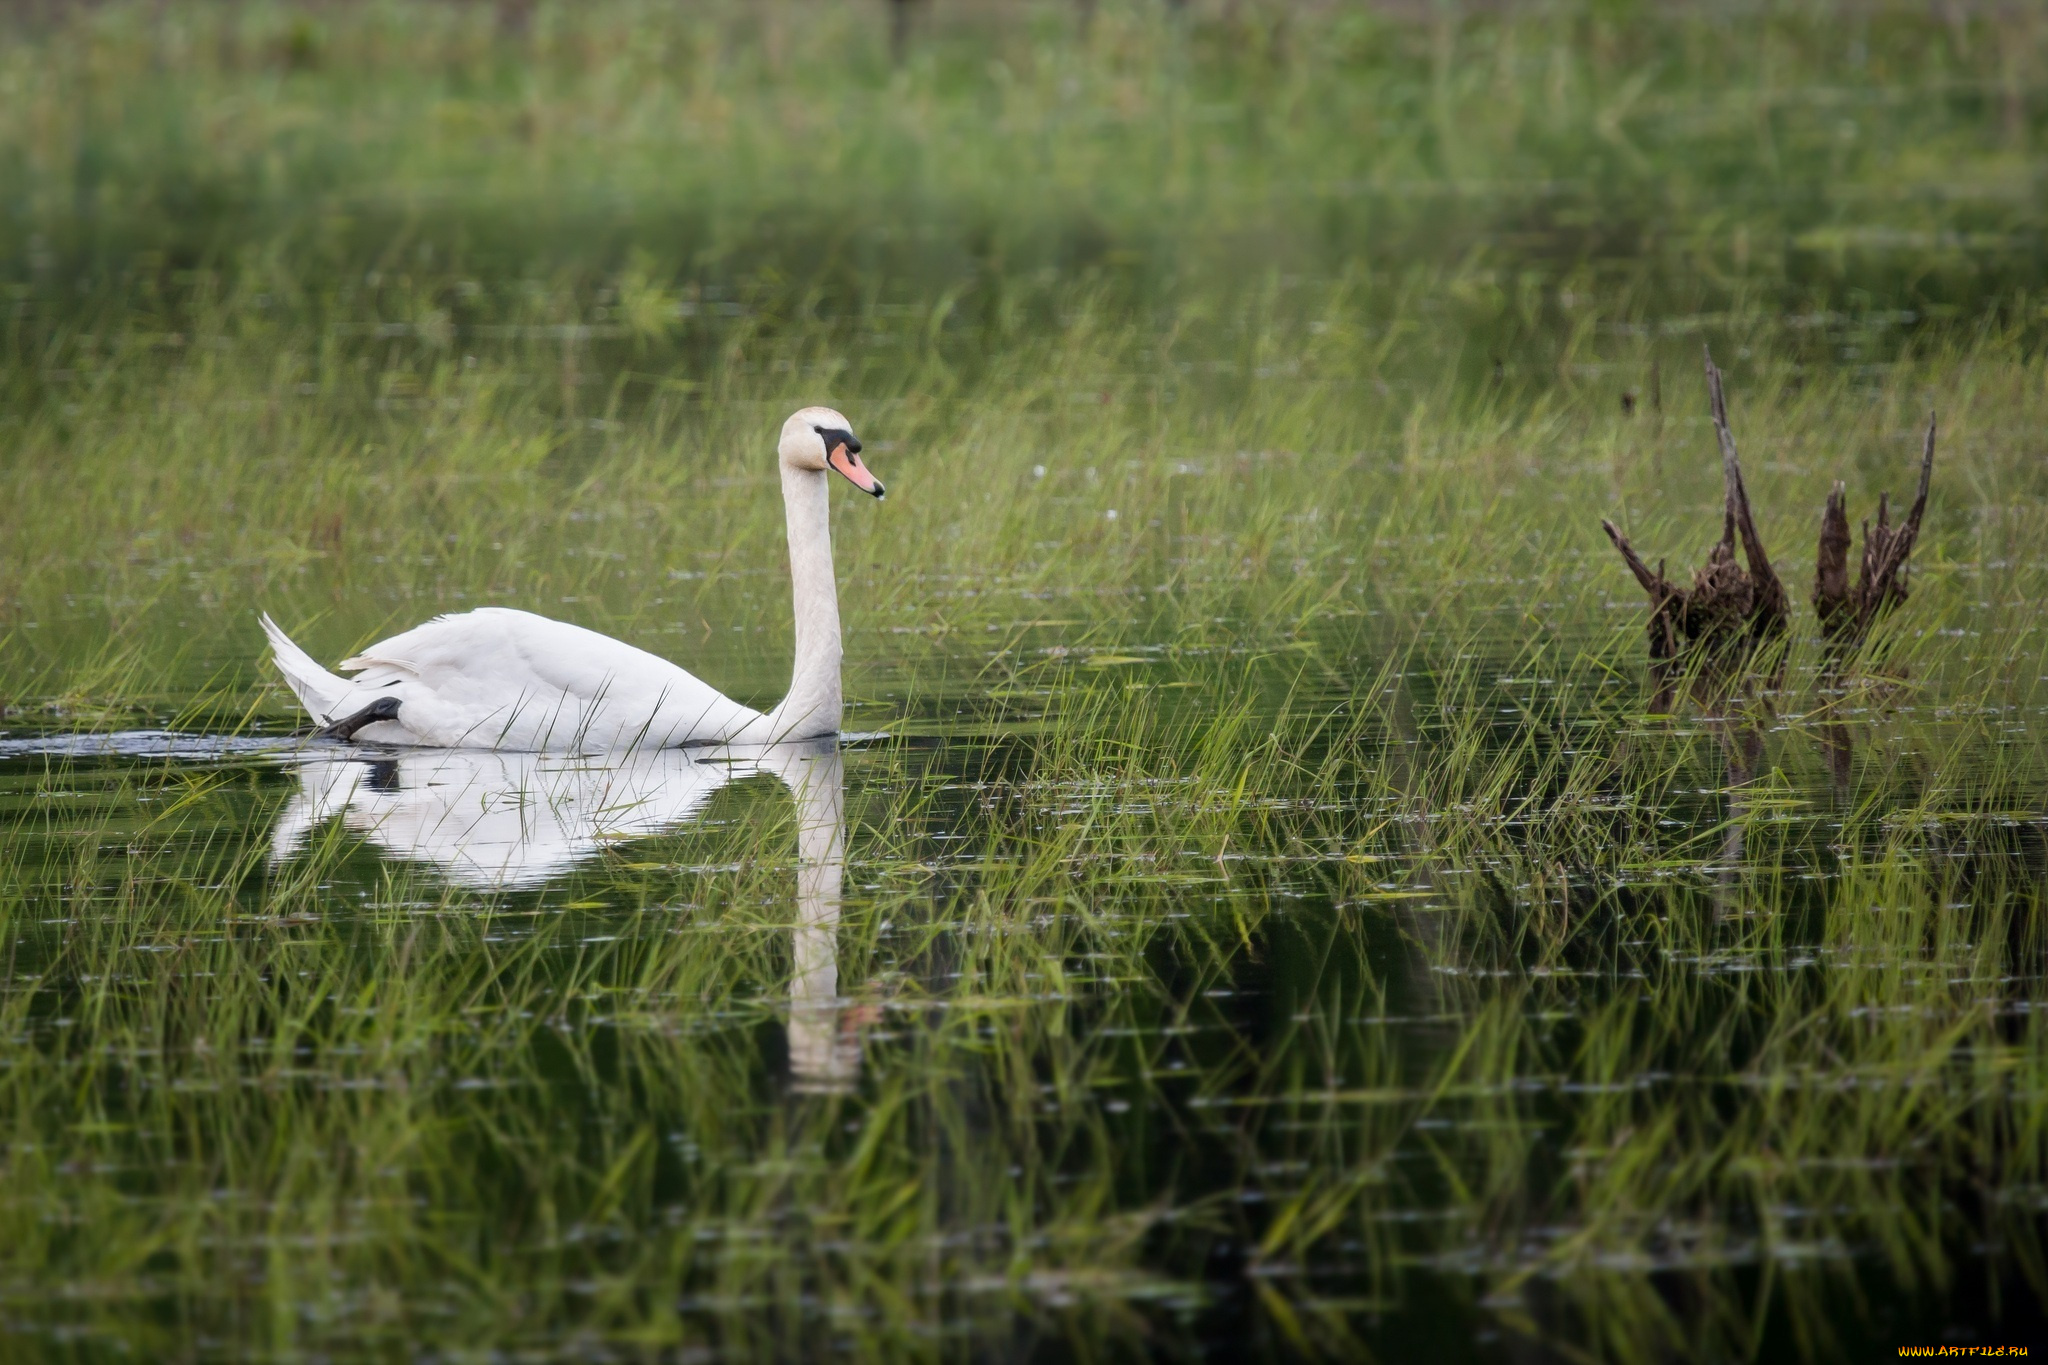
x=1728 y=611
x=1667 y=611
x=1652 y=584
x=1848 y=613
x=1769 y=609
x=1831 y=563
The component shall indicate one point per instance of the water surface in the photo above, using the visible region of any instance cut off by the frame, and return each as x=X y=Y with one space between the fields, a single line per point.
x=975 y=1027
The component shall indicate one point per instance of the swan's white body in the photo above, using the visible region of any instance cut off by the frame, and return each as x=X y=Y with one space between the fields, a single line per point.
x=501 y=679
x=496 y=678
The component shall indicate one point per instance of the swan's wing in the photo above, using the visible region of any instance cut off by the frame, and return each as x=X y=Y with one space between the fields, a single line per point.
x=495 y=667
x=494 y=646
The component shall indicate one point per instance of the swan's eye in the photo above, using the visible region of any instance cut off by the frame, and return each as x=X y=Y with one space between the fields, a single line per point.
x=834 y=437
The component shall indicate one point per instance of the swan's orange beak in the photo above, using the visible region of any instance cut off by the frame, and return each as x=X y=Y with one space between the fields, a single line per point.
x=845 y=458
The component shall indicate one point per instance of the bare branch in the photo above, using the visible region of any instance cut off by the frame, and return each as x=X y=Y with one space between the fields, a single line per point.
x=1771 y=610
x=1831 y=565
x=1926 y=479
x=1653 y=584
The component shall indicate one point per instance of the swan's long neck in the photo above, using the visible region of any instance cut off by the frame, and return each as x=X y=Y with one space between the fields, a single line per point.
x=812 y=706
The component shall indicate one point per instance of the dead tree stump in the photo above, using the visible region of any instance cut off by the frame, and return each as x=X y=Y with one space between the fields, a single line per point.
x=1848 y=613
x=1729 y=612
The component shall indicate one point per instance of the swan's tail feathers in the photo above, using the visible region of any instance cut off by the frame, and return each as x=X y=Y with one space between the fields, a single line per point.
x=316 y=688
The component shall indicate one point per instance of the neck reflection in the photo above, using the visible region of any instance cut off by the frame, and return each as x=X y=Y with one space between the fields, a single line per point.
x=822 y=1054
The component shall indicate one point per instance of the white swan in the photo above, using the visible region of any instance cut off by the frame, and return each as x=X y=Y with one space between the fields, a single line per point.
x=496 y=678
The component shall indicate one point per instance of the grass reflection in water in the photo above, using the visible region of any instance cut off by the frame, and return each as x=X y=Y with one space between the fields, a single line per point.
x=1378 y=1015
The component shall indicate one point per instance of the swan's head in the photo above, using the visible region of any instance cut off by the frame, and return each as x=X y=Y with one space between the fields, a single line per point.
x=821 y=439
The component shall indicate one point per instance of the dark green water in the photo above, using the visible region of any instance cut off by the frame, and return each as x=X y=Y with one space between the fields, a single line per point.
x=383 y=1053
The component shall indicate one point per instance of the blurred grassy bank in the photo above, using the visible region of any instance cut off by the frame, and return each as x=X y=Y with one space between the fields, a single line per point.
x=651 y=169
x=348 y=307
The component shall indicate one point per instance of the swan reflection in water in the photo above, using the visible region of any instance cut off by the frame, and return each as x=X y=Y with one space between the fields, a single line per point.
x=499 y=821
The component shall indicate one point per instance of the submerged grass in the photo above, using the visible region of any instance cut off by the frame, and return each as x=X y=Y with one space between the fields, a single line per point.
x=1272 y=921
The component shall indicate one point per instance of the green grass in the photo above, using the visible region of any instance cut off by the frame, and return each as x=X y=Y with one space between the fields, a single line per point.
x=1273 y=921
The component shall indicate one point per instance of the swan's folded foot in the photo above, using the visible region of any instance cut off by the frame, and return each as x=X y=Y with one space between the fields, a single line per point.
x=384 y=708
